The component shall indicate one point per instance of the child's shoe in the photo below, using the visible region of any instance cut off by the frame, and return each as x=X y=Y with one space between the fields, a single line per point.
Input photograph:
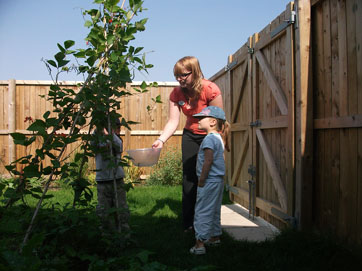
x=198 y=250
x=212 y=242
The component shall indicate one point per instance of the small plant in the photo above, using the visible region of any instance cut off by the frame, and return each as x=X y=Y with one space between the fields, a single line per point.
x=132 y=173
x=168 y=171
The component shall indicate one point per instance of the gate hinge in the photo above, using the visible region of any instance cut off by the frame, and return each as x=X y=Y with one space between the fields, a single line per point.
x=250 y=50
x=292 y=221
x=252 y=170
x=284 y=24
x=256 y=123
x=230 y=65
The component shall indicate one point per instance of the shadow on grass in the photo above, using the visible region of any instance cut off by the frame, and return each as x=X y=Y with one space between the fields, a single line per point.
x=160 y=231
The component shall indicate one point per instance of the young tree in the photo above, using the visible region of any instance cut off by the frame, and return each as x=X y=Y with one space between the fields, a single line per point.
x=108 y=63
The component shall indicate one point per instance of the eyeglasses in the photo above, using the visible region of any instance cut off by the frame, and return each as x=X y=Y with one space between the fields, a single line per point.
x=182 y=75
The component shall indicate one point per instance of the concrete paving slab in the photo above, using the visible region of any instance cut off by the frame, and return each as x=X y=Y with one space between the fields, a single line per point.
x=236 y=222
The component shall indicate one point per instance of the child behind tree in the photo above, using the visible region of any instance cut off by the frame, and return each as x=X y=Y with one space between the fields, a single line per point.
x=106 y=172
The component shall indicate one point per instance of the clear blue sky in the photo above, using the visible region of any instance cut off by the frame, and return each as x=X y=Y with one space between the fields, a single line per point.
x=207 y=29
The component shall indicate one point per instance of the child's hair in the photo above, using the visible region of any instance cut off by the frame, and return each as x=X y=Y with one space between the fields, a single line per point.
x=224 y=128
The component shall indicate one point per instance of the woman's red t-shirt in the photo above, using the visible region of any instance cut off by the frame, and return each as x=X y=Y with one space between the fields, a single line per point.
x=209 y=92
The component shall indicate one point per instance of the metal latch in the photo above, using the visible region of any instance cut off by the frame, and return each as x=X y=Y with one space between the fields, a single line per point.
x=256 y=123
x=252 y=199
x=252 y=170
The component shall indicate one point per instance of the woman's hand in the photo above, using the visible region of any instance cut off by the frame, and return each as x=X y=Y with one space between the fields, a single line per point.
x=157 y=144
x=170 y=127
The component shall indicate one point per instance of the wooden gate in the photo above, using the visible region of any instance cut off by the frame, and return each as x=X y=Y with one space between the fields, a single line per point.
x=259 y=103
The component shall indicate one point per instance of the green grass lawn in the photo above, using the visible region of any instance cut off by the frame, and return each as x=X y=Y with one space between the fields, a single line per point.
x=156 y=227
x=156 y=223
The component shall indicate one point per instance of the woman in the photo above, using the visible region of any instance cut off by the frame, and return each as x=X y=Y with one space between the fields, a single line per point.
x=193 y=94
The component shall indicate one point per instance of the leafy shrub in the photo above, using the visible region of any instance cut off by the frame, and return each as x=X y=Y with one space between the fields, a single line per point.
x=67 y=239
x=168 y=171
x=74 y=168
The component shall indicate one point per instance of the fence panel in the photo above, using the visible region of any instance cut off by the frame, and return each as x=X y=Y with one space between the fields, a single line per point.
x=337 y=77
x=235 y=83
x=28 y=103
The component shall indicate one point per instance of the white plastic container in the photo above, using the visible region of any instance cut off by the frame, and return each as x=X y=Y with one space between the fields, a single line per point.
x=144 y=157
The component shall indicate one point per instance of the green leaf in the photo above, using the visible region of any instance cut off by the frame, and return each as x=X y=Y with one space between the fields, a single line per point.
x=10 y=167
x=55 y=163
x=52 y=62
x=68 y=43
x=158 y=99
x=18 y=136
x=137 y=59
x=112 y=2
x=31 y=171
x=110 y=39
x=37 y=126
x=114 y=57
x=47 y=170
x=80 y=54
x=88 y=24
x=51 y=122
x=138 y=49
x=143 y=86
x=46 y=114
x=140 y=26
x=61 y=48
x=29 y=141
x=63 y=63
x=54 y=87
x=68 y=52
x=40 y=153
x=59 y=56
x=91 y=60
x=129 y=15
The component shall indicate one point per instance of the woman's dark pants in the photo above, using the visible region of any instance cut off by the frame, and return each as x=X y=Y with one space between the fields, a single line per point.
x=190 y=147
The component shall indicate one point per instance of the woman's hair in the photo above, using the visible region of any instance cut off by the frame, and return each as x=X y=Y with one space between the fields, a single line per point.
x=191 y=64
x=224 y=128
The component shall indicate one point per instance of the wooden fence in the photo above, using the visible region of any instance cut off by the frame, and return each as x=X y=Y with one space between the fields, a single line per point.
x=293 y=94
x=21 y=99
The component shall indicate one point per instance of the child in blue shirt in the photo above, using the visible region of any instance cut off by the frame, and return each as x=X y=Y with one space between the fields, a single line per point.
x=210 y=169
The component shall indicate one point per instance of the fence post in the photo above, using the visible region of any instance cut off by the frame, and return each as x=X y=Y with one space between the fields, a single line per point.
x=11 y=119
x=304 y=118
